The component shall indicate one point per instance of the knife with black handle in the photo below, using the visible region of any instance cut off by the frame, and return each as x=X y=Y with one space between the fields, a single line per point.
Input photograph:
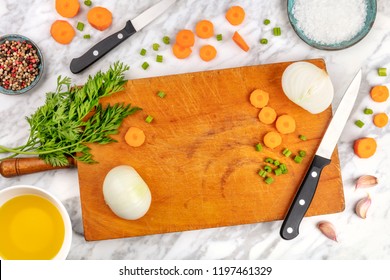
x=307 y=189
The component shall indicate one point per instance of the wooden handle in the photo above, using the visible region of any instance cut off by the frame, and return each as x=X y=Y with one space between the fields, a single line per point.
x=22 y=166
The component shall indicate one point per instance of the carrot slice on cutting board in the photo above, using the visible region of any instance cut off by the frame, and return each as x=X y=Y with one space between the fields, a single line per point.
x=272 y=139
x=185 y=38
x=62 y=32
x=67 y=8
x=379 y=93
x=240 y=41
x=259 y=98
x=204 y=29
x=207 y=52
x=235 y=15
x=134 y=137
x=365 y=147
x=381 y=120
x=99 y=18
x=181 y=52
x=285 y=124
x=267 y=115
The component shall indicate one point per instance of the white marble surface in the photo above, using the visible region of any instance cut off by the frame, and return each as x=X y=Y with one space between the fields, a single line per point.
x=358 y=239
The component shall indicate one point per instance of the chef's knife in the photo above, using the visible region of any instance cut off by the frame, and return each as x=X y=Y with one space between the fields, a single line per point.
x=305 y=194
x=132 y=26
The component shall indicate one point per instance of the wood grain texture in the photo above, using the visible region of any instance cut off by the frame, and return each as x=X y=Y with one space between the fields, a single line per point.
x=199 y=158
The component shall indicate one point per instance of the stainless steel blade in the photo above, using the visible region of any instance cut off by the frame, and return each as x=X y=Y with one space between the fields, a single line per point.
x=337 y=124
x=150 y=14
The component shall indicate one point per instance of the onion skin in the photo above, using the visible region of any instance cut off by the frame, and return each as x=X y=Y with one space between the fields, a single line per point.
x=308 y=86
x=126 y=193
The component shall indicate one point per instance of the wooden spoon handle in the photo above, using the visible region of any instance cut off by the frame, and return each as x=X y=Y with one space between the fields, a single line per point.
x=21 y=166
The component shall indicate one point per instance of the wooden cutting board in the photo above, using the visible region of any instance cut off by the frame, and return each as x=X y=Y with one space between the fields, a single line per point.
x=199 y=158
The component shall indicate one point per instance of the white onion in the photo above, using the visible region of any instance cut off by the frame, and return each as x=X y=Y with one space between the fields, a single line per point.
x=126 y=193
x=308 y=86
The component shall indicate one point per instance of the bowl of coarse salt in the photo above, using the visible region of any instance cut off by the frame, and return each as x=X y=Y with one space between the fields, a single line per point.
x=331 y=24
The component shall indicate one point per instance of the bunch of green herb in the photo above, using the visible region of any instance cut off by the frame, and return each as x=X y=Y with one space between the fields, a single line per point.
x=62 y=126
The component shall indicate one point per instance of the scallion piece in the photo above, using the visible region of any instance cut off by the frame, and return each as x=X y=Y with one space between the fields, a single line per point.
x=269 y=180
x=287 y=152
x=149 y=119
x=166 y=40
x=359 y=123
x=266 y=21
x=382 y=72
x=264 y=41
x=269 y=160
x=276 y=163
x=145 y=65
x=142 y=52
x=259 y=147
x=161 y=94
x=80 y=26
x=283 y=166
x=155 y=46
x=262 y=173
x=302 y=137
x=268 y=168
x=219 y=37
x=277 y=31
x=88 y=3
x=159 y=58
x=302 y=153
x=298 y=159
x=278 y=171
x=87 y=36
x=368 y=111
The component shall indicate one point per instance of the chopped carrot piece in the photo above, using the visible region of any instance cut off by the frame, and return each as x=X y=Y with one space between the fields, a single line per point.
x=134 y=137
x=207 y=52
x=259 y=98
x=272 y=139
x=99 y=18
x=381 y=119
x=67 y=8
x=185 y=38
x=240 y=41
x=285 y=124
x=379 y=93
x=365 y=147
x=204 y=29
x=267 y=115
x=235 y=15
x=62 y=32
x=181 y=52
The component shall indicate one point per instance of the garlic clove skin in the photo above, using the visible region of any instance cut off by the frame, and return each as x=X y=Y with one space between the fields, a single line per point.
x=362 y=207
x=366 y=181
x=328 y=229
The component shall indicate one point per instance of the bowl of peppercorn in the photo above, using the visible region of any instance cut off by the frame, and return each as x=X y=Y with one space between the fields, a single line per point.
x=21 y=64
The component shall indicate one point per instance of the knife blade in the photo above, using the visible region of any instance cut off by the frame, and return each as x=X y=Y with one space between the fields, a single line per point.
x=132 y=26
x=306 y=191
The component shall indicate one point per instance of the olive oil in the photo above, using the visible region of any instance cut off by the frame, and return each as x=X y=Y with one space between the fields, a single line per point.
x=31 y=227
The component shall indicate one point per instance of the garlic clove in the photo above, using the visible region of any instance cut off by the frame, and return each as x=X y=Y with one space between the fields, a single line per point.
x=362 y=207
x=366 y=181
x=328 y=229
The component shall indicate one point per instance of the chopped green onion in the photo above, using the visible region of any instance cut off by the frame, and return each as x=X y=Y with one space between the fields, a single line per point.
x=219 y=37
x=382 y=71
x=263 y=41
x=302 y=137
x=266 y=21
x=298 y=159
x=269 y=160
x=80 y=26
x=368 y=111
x=87 y=36
x=283 y=166
x=287 y=152
x=166 y=40
x=149 y=119
x=145 y=65
x=302 y=153
x=268 y=168
x=277 y=31
x=142 y=52
x=259 y=147
x=159 y=58
x=269 y=180
x=276 y=163
x=262 y=173
x=278 y=171
x=155 y=46
x=88 y=3
x=359 y=123
x=161 y=94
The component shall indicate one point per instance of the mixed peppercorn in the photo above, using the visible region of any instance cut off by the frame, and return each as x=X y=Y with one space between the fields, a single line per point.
x=19 y=64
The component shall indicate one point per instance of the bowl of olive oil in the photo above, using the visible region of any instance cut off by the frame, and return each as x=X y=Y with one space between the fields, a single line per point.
x=34 y=225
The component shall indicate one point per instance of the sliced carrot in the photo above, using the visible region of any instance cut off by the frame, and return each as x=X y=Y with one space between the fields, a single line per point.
x=267 y=115
x=134 y=137
x=285 y=124
x=240 y=41
x=207 y=52
x=181 y=52
x=235 y=15
x=204 y=29
x=99 y=18
x=365 y=147
x=381 y=119
x=259 y=98
x=62 y=32
x=185 y=38
x=379 y=93
x=272 y=139
x=67 y=8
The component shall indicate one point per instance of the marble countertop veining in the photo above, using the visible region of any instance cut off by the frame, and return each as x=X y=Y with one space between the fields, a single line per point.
x=358 y=238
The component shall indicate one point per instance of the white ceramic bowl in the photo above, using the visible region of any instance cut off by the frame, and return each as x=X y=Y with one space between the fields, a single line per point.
x=14 y=191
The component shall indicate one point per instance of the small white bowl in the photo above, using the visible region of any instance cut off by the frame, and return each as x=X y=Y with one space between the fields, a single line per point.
x=14 y=191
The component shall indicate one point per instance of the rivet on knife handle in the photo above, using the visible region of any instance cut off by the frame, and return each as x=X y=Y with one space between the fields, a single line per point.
x=303 y=198
x=100 y=49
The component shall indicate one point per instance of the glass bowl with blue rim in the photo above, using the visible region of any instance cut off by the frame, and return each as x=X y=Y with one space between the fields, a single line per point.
x=371 y=6
x=20 y=38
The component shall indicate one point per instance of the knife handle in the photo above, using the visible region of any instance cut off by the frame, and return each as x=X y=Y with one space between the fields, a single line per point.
x=100 y=49
x=303 y=198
